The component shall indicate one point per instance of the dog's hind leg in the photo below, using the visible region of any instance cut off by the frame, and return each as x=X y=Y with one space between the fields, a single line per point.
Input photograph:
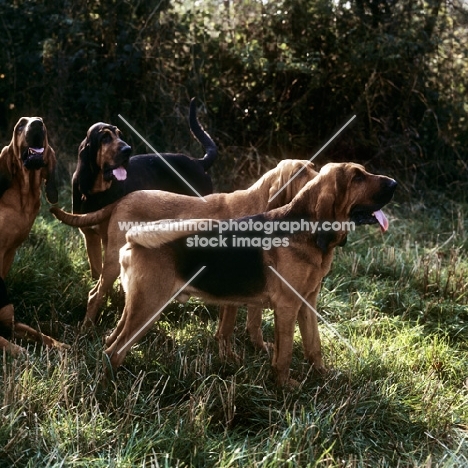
x=148 y=278
x=226 y=325
x=116 y=332
x=139 y=316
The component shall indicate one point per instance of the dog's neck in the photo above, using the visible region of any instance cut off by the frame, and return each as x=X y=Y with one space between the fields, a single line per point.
x=26 y=183
x=100 y=184
x=306 y=206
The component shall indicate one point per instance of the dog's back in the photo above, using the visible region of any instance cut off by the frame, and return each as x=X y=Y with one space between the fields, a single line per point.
x=101 y=180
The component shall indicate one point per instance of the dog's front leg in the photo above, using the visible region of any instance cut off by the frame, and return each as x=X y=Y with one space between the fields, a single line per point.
x=94 y=250
x=285 y=321
x=254 y=328
x=226 y=325
x=308 y=325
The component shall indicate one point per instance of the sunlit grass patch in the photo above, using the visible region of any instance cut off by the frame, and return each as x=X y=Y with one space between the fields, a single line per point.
x=395 y=394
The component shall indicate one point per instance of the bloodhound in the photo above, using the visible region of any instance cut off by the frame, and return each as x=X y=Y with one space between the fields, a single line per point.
x=162 y=261
x=105 y=172
x=280 y=185
x=24 y=164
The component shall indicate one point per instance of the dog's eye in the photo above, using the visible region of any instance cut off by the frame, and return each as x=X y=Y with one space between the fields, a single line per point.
x=21 y=125
x=359 y=177
x=106 y=138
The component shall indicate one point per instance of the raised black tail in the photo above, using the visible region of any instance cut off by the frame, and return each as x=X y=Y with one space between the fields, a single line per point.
x=203 y=137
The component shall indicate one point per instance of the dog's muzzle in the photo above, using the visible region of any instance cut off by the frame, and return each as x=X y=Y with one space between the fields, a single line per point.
x=119 y=170
x=373 y=214
x=33 y=154
x=33 y=158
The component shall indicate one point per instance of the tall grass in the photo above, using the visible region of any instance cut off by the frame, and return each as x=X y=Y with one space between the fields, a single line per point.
x=399 y=400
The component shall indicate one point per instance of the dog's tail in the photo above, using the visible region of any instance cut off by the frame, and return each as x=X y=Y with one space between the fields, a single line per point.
x=199 y=133
x=83 y=220
x=157 y=233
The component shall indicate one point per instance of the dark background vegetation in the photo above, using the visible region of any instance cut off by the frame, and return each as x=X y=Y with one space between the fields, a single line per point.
x=274 y=79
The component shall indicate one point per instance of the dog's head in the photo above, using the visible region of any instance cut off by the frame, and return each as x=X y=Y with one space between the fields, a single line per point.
x=30 y=142
x=347 y=192
x=31 y=149
x=102 y=153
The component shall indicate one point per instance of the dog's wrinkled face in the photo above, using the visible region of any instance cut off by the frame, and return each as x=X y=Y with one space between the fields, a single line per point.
x=30 y=141
x=359 y=195
x=112 y=152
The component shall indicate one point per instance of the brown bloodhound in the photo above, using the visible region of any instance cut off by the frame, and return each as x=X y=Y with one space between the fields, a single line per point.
x=283 y=183
x=105 y=172
x=159 y=263
x=24 y=164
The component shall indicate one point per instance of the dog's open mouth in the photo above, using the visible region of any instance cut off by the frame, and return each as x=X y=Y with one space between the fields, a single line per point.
x=120 y=173
x=369 y=215
x=117 y=173
x=381 y=219
x=33 y=158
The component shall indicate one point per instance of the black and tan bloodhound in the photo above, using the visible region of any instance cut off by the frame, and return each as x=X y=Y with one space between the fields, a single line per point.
x=105 y=172
x=25 y=164
x=158 y=264
x=283 y=183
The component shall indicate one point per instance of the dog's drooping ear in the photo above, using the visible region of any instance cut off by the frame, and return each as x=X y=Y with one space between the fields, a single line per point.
x=331 y=200
x=49 y=176
x=330 y=239
x=332 y=197
x=5 y=182
x=87 y=169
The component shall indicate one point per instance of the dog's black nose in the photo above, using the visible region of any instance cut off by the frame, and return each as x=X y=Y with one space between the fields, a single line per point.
x=35 y=123
x=126 y=151
x=388 y=184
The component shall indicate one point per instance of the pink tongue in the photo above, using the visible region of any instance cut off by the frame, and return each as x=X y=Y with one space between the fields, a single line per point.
x=120 y=173
x=382 y=219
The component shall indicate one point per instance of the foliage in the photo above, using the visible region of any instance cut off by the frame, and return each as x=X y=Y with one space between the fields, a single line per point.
x=280 y=77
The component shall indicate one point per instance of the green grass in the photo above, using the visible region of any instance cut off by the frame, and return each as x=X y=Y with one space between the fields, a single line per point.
x=399 y=400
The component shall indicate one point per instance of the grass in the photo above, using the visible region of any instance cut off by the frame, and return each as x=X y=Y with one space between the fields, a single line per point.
x=399 y=400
